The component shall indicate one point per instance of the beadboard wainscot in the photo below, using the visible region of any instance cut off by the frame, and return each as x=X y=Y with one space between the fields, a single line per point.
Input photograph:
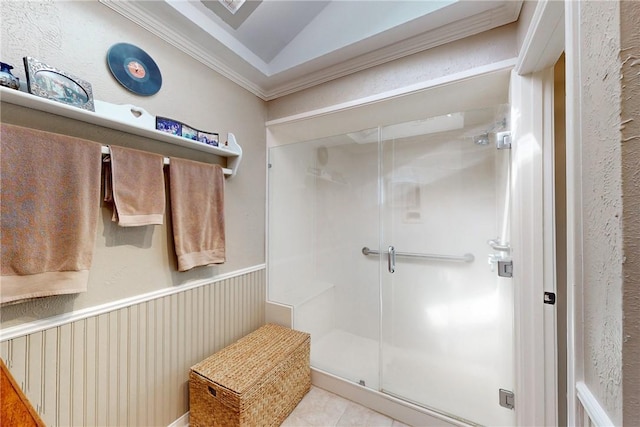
x=127 y=362
x=126 y=118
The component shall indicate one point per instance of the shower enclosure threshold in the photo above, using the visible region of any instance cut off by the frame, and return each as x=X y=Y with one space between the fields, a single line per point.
x=354 y=359
x=386 y=404
x=348 y=356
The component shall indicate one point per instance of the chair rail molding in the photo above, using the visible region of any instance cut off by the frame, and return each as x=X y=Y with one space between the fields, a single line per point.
x=55 y=321
x=592 y=409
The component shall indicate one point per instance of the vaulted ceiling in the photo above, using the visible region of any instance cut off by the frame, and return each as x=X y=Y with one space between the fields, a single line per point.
x=277 y=47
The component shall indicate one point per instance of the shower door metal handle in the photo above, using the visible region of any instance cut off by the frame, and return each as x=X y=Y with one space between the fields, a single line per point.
x=433 y=257
x=391 y=262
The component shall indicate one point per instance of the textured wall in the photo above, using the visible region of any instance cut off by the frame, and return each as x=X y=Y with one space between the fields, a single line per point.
x=630 y=112
x=475 y=51
x=75 y=37
x=602 y=204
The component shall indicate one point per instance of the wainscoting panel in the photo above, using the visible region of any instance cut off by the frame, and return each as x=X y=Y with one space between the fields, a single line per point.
x=130 y=366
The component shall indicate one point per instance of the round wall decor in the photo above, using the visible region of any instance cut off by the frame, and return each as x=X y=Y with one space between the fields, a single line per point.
x=134 y=69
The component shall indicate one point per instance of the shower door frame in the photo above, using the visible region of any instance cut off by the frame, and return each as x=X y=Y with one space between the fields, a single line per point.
x=533 y=255
x=533 y=233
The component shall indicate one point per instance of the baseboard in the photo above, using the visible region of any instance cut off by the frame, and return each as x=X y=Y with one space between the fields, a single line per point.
x=183 y=421
x=388 y=405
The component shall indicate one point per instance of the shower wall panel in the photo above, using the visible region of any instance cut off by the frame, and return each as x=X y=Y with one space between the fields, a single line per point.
x=346 y=232
x=322 y=208
x=291 y=239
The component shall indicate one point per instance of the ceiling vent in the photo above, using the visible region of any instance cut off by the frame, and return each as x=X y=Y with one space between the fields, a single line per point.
x=232 y=12
x=232 y=5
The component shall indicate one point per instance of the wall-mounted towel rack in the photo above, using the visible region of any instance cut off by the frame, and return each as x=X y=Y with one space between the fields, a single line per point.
x=462 y=258
x=126 y=118
x=106 y=151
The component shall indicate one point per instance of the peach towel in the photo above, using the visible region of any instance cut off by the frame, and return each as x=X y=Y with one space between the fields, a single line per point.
x=134 y=183
x=197 y=212
x=50 y=203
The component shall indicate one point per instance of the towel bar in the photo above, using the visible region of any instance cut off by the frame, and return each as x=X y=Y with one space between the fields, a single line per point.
x=105 y=150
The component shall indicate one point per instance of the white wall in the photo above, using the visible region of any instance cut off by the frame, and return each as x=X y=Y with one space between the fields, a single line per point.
x=75 y=37
x=524 y=20
x=606 y=84
x=630 y=152
x=602 y=54
x=602 y=204
x=482 y=49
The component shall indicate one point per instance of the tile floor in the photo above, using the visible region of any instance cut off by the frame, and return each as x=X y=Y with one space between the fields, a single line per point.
x=324 y=409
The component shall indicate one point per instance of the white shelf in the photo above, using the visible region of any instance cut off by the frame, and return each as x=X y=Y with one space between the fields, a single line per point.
x=125 y=118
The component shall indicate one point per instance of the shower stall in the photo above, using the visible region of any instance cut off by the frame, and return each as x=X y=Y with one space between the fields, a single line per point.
x=391 y=245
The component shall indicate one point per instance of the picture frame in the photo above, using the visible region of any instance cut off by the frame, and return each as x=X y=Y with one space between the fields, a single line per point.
x=209 y=138
x=189 y=132
x=164 y=124
x=57 y=85
x=174 y=127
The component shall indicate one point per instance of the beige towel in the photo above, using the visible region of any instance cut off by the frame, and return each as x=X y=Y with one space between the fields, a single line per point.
x=197 y=212
x=50 y=203
x=134 y=183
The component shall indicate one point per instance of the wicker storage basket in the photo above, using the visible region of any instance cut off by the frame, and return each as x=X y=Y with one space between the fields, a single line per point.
x=256 y=381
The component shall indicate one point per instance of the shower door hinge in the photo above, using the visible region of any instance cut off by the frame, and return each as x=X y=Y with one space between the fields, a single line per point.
x=503 y=140
x=507 y=399
x=505 y=268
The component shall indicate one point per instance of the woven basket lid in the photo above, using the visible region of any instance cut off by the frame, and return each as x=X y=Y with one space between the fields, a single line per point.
x=241 y=364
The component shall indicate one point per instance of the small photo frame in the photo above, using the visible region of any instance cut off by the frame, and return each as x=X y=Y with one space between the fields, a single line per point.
x=57 y=85
x=173 y=127
x=209 y=138
x=177 y=128
x=189 y=132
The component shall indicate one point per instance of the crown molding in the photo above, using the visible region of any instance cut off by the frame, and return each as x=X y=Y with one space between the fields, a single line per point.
x=467 y=27
x=158 y=27
x=299 y=78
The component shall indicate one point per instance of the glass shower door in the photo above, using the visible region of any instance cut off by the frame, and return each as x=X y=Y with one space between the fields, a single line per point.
x=323 y=208
x=447 y=318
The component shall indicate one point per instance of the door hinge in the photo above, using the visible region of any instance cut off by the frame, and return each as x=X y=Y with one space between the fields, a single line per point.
x=507 y=399
x=503 y=140
x=549 y=298
x=505 y=268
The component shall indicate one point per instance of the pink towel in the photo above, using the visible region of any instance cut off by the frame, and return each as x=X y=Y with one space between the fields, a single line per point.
x=50 y=203
x=197 y=212
x=134 y=183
